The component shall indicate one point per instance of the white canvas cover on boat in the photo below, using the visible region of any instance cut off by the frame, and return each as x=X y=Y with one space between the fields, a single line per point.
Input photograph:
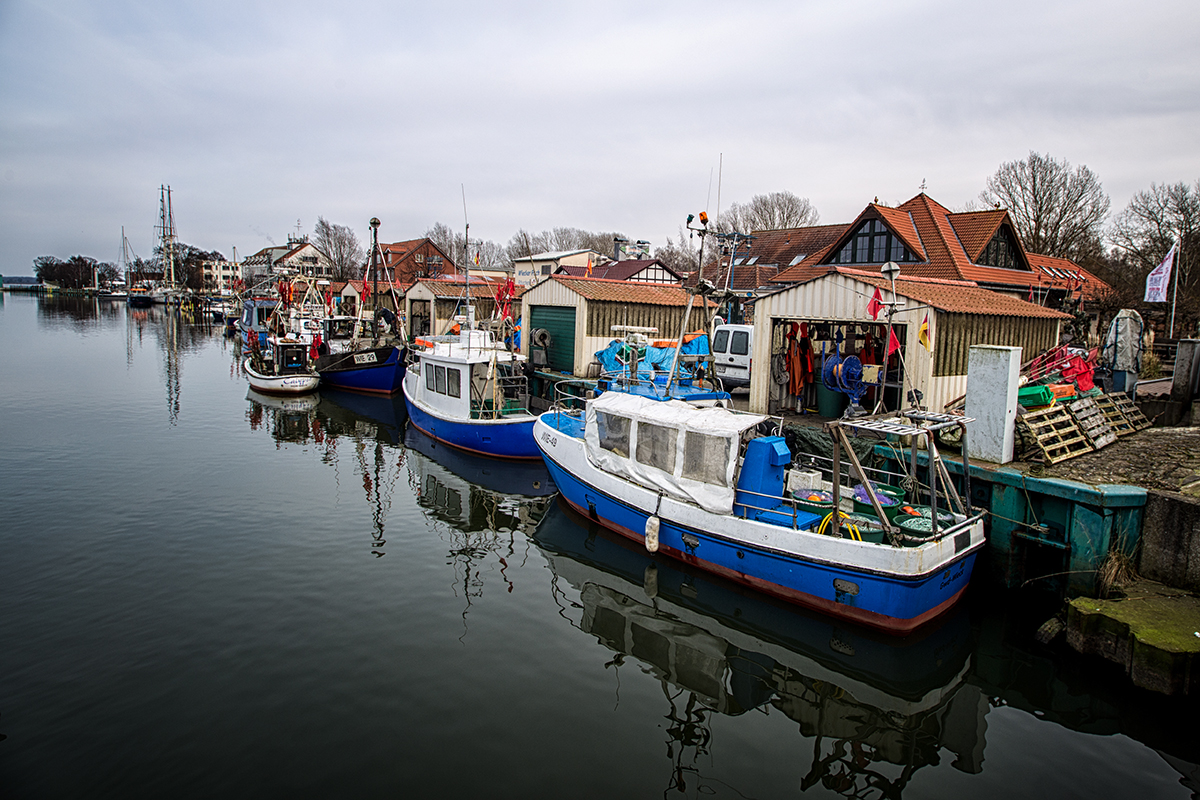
x=687 y=452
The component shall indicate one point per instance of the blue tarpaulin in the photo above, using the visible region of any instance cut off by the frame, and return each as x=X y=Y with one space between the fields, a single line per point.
x=651 y=360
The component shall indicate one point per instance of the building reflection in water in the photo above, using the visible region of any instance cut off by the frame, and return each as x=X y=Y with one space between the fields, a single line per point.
x=876 y=709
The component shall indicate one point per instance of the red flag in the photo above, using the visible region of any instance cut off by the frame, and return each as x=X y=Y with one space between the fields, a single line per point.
x=876 y=305
x=893 y=342
x=589 y=267
x=1031 y=292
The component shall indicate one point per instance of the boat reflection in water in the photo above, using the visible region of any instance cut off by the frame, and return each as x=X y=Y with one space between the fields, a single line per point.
x=374 y=425
x=289 y=419
x=363 y=415
x=477 y=505
x=876 y=708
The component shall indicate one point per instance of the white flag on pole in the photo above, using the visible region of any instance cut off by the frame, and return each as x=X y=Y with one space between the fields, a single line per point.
x=1159 y=279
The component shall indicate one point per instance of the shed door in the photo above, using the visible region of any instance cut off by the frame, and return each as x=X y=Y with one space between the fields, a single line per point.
x=560 y=322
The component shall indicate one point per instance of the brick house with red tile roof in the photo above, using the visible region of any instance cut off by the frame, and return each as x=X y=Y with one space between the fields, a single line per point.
x=416 y=258
x=928 y=240
x=643 y=270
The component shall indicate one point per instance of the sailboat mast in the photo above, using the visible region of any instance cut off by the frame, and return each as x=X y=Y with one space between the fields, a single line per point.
x=167 y=232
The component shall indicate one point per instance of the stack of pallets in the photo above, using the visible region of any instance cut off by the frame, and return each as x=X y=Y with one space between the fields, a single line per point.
x=1092 y=422
x=1122 y=415
x=1054 y=434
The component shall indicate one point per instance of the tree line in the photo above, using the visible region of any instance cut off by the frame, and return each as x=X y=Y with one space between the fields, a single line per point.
x=79 y=271
x=1058 y=210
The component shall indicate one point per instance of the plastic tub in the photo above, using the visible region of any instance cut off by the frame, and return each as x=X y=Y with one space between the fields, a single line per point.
x=916 y=526
x=868 y=526
x=889 y=502
x=822 y=505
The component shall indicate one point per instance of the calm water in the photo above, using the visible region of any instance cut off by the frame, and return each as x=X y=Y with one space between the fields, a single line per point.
x=208 y=594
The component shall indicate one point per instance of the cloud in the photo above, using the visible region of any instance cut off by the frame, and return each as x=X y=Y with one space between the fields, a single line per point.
x=551 y=114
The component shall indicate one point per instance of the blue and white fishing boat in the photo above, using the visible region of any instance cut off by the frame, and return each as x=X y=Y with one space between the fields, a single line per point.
x=469 y=391
x=703 y=484
x=255 y=320
x=373 y=370
x=378 y=367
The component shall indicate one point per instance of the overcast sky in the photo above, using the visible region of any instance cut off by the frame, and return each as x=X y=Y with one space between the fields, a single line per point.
x=602 y=116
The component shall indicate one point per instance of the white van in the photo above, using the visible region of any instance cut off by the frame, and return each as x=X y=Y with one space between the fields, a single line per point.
x=732 y=346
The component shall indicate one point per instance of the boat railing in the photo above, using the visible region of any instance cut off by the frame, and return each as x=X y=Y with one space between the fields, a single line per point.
x=918 y=427
x=511 y=399
x=570 y=397
x=656 y=382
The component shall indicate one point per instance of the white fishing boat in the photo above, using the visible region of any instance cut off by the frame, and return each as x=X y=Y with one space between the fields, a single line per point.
x=470 y=391
x=283 y=367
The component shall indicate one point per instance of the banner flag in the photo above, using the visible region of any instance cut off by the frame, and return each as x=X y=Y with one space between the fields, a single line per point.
x=1159 y=279
x=923 y=334
x=876 y=305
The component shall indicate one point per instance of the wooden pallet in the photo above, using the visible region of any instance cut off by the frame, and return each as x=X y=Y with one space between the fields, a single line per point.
x=1056 y=435
x=1112 y=412
x=1092 y=422
x=1132 y=413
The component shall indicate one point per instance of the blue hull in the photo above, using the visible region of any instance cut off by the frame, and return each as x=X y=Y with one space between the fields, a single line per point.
x=896 y=605
x=383 y=378
x=497 y=440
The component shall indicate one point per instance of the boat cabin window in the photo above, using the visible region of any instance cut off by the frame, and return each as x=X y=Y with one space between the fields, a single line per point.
x=656 y=446
x=614 y=433
x=704 y=458
x=443 y=380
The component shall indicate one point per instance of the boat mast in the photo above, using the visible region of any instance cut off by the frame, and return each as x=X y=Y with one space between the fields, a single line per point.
x=166 y=227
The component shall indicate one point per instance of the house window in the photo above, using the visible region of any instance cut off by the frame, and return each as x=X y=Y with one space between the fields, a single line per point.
x=1001 y=251
x=420 y=259
x=873 y=243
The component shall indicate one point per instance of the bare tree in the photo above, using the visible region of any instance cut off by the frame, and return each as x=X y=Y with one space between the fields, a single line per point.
x=524 y=244
x=339 y=246
x=1057 y=210
x=682 y=257
x=481 y=254
x=769 y=212
x=1154 y=220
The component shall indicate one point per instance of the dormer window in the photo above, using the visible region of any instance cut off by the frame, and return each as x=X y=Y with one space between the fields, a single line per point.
x=1001 y=251
x=873 y=243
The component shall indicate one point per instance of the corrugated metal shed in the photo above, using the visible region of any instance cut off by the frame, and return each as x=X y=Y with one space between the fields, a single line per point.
x=960 y=314
x=599 y=304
